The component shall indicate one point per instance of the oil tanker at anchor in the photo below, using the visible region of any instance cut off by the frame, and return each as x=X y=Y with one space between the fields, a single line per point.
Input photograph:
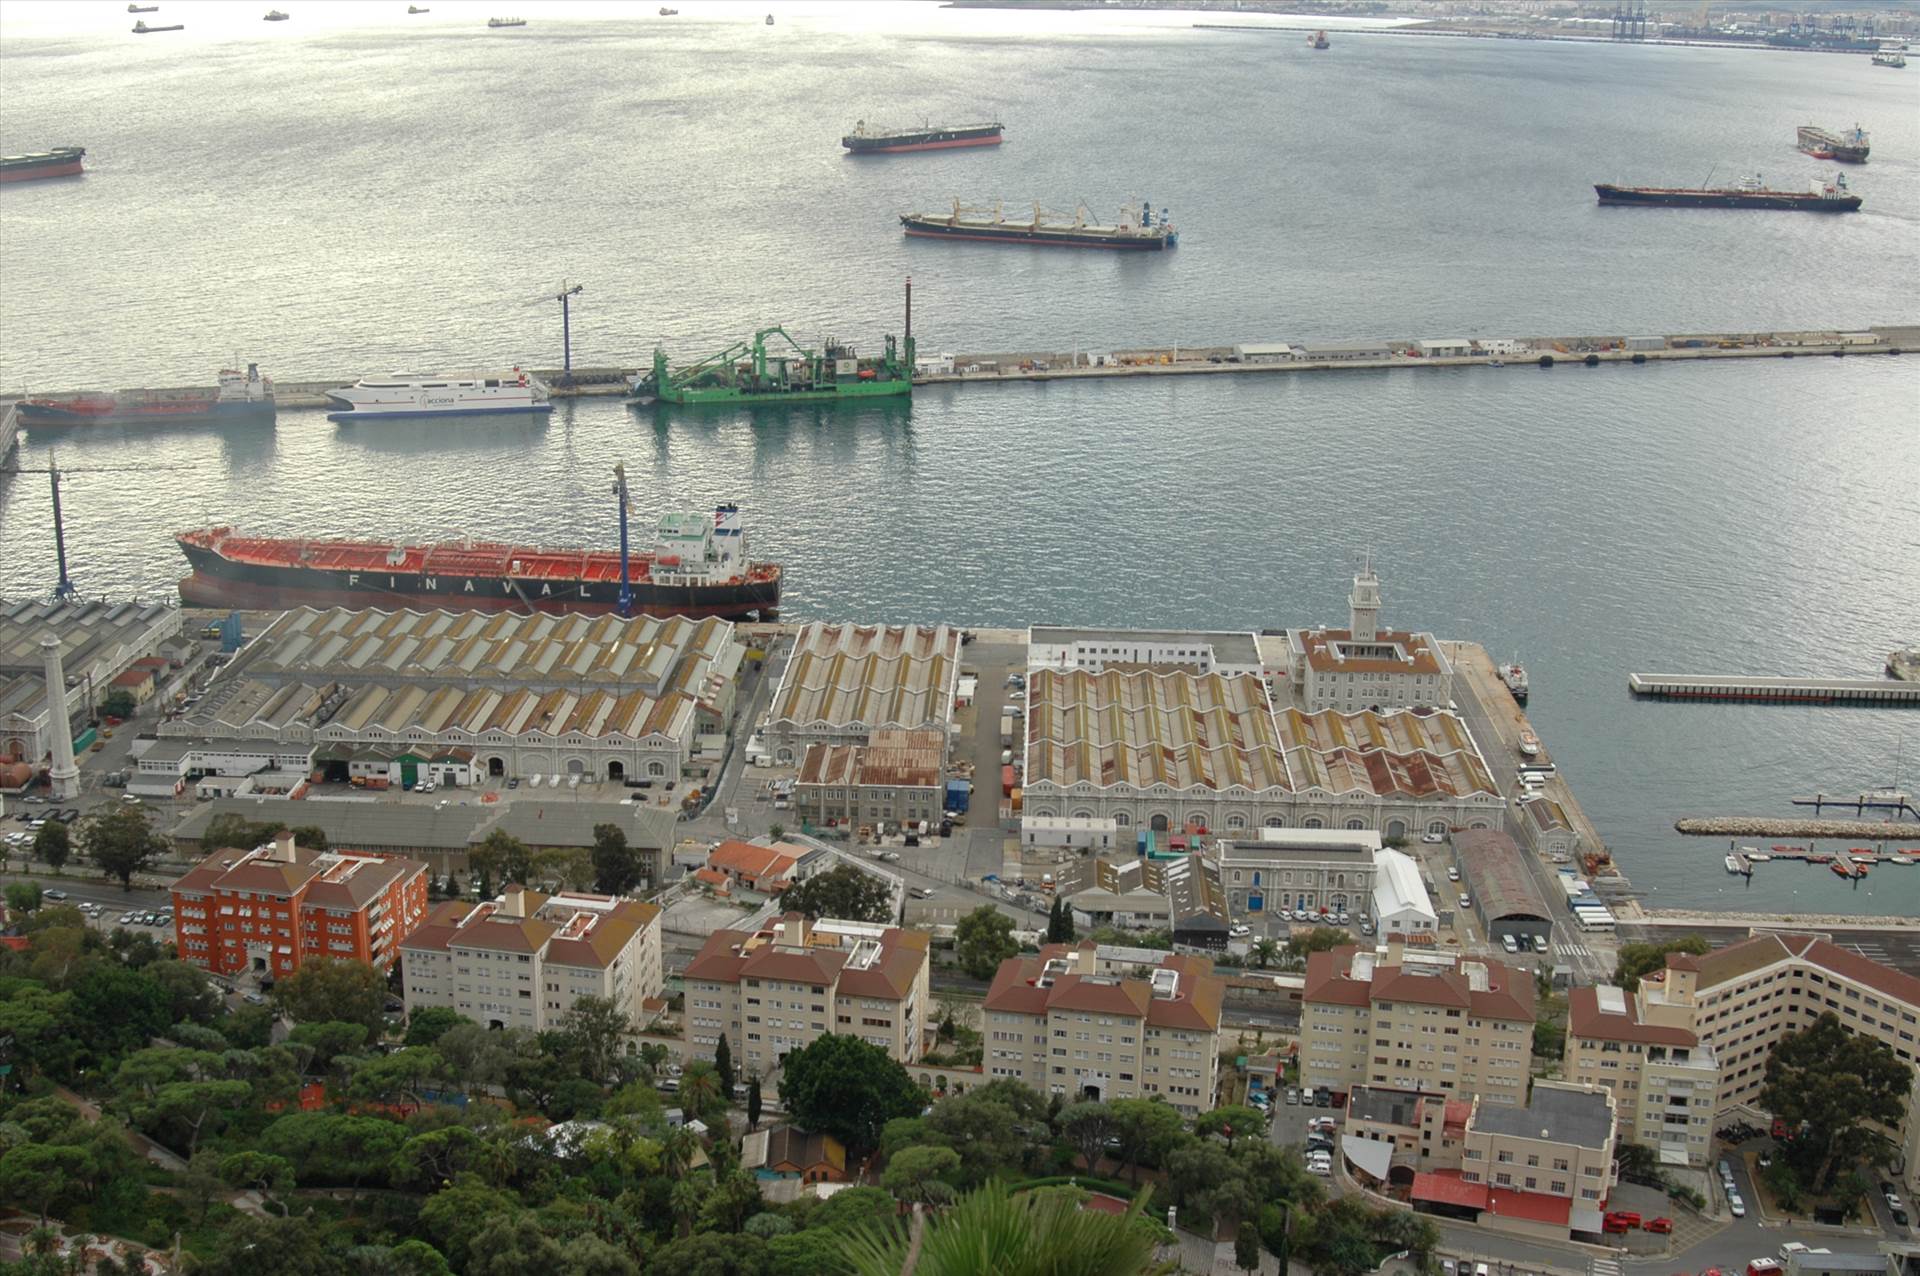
x=698 y=566
x=1749 y=192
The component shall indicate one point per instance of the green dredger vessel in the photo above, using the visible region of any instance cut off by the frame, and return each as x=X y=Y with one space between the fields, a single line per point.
x=746 y=372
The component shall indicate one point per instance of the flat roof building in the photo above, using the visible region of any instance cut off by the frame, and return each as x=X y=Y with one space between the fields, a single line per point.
x=1095 y=650
x=844 y=682
x=1291 y=869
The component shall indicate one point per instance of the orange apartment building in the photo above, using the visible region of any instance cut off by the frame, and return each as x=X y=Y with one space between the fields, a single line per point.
x=268 y=910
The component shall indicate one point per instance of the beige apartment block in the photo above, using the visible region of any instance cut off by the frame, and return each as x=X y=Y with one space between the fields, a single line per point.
x=1056 y=1023
x=1430 y=1022
x=781 y=989
x=524 y=959
x=1709 y=1023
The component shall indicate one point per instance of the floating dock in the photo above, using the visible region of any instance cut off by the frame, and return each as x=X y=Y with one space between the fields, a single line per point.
x=1870 y=691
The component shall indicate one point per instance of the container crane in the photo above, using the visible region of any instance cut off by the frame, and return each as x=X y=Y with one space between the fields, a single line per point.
x=65 y=587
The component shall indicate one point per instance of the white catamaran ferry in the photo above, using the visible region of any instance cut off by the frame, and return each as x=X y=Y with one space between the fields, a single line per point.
x=417 y=395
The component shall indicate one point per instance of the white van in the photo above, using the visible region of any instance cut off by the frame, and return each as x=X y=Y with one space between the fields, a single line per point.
x=1509 y=943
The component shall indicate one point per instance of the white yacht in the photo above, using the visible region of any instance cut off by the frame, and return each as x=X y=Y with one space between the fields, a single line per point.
x=403 y=394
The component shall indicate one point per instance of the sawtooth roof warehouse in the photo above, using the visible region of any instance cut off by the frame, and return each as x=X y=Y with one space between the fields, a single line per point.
x=524 y=695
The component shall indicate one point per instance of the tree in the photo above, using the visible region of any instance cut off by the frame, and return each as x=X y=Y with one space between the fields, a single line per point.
x=118 y=703
x=1636 y=960
x=42 y=1177
x=1318 y=940
x=849 y=893
x=992 y=1230
x=335 y=989
x=329 y=1041
x=1265 y=950
x=232 y=831
x=397 y=1078
x=723 y=1065
x=753 y=1102
x=53 y=844
x=23 y=897
x=191 y=996
x=257 y=1172
x=1837 y=1090
x=1147 y=1130
x=1087 y=1126
x=995 y=1128
x=454 y=1216
x=1067 y=935
x=121 y=840
x=330 y=1149
x=922 y=1176
x=616 y=866
x=982 y=940
x=710 y=1254
x=428 y=1024
x=701 y=1094
x=119 y=1009
x=1234 y=1123
x=1246 y=1247
x=841 y=1085
x=595 y=1030
x=501 y=857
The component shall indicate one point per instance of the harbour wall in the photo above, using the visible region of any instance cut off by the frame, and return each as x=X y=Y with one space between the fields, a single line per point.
x=1215 y=360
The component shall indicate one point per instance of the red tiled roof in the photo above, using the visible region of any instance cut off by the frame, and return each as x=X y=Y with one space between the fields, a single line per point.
x=750 y=860
x=814 y=966
x=1585 y=1019
x=719 y=959
x=1446 y=1187
x=1535 y=1207
x=1318 y=645
x=1851 y=965
x=1328 y=981
x=711 y=876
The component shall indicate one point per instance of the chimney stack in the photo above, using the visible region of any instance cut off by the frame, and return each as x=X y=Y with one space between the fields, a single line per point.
x=65 y=775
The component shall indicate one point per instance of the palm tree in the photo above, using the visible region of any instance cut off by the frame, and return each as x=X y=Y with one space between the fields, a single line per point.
x=992 y=1230
x=685 y=1201
x=1264 y=951
x=676 y=1151
x=700 y=1092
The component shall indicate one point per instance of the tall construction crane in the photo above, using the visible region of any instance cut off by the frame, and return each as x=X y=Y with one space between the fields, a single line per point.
x=564 y=297
x=65 y=587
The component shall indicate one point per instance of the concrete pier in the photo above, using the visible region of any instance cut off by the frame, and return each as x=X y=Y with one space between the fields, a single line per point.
x=1515 y=355
x=1764 y=827
x=1864 y=691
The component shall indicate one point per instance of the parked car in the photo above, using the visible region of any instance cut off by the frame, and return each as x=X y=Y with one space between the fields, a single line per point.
x=1736 y=1206
x=1240 y=930
x=53 y=894
x=1660 y=1226
x=254 y=998
x=1293 y=1096
x=1453 y=874
x=126 y=919
x=1431 y=838
x=1466 y=901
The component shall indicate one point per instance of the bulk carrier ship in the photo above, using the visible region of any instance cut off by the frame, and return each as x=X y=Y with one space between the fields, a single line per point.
x=1136 y=231
x=61 y=161
x=1824 y=197
x=1849 y=148
x=867 y=139
x=698 y=566
x=747 y=372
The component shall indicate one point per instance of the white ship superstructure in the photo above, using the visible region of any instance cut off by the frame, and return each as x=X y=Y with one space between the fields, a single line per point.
x=427 y=395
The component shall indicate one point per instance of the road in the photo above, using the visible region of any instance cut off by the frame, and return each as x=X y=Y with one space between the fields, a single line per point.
x=1496 y=721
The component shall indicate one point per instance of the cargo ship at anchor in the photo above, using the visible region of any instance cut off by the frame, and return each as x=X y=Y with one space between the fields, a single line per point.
x=238 y=399
x=1136 y=231
x=1848 y=148
x=749 y=372
x=698 y=566
x=868 y=139
x=61 y=161
x=1824 y=197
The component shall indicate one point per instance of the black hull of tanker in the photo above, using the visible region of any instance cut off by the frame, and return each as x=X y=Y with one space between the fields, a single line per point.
x=1783 y=201
x=1042 y=238
x=222 y=583
x=938 y=139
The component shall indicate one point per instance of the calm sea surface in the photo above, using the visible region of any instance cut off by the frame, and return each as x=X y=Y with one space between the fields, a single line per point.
x=355 y=190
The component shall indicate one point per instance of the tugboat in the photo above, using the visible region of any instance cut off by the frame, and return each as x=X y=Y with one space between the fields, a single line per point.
x=1515 y=676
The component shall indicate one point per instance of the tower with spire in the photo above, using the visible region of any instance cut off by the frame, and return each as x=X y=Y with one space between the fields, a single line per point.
x=1363 y=604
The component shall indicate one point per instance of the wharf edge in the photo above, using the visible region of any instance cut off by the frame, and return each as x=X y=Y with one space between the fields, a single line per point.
x=1217 y=360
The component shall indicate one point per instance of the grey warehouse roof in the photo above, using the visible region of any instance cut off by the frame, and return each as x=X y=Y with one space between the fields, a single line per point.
x=1498 y=875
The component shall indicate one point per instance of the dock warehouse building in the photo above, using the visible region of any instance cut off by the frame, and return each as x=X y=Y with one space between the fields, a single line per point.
x=1493 y=870
x=383 y=694
x=844 y=682
x=1175 y=751
x=1348 y=352
x=98 y=642
x=1265 y=352
x=897 y=777
x=1291 y=869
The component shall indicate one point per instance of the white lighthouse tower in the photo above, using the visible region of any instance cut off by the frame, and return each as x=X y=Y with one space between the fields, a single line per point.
x=1364 y=604
x=64 y=776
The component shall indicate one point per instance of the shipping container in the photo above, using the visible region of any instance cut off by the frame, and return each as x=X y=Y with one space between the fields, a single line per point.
x=1006 y=781
x=959 y=796
x=1006 y=730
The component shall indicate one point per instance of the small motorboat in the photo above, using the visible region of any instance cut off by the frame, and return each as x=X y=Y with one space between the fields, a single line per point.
x=1735 y=864
x=1758 y=857
x=1841 y=870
